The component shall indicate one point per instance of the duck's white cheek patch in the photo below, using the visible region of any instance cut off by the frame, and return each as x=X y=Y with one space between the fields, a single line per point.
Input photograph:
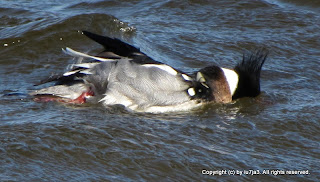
x=164 y=67
x=232 y=79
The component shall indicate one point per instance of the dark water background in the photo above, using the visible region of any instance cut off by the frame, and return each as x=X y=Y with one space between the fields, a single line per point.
x=279 y=130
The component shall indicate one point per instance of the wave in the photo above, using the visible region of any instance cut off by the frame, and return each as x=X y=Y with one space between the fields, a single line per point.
x=32 y=41
x=306 y=4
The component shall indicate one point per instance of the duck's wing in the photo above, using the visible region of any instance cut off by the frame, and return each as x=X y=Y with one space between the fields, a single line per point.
x=115 y=50
x=76 y=71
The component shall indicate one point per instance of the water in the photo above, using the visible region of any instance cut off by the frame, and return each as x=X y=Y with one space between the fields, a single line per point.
x=279 y=130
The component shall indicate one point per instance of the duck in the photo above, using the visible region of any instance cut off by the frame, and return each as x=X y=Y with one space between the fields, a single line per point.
x=124 y=75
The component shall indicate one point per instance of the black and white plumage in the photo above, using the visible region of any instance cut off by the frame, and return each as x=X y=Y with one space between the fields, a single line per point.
x=123 y=75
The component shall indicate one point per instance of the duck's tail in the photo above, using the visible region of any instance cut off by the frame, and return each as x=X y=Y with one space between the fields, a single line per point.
x=113 y=45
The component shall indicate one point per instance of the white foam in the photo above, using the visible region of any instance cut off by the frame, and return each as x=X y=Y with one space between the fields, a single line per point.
x=232 y=78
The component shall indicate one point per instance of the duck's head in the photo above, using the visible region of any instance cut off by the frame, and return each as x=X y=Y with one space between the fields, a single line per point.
x=217 y=84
